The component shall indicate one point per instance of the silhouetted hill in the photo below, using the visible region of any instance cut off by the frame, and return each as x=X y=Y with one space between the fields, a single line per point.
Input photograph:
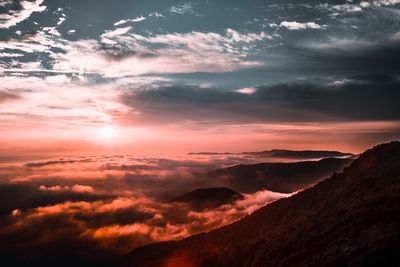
x=286 y=154
x=209 y=197
x=351 y=219
x=279 y=177
x=300 y=154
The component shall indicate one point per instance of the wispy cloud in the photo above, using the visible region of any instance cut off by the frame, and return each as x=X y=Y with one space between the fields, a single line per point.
x=133 y=54
x=156 y=15
x=23 y=12
x=124 y=21
x=186 y=8
x=74 y=188
x=247 y=90
x=294 y=25
x=350 y=7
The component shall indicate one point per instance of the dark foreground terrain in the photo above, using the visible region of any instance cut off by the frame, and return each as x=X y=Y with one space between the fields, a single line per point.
x=351 y=219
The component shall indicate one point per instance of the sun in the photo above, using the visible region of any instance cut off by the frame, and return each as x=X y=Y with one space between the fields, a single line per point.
x=107 y=132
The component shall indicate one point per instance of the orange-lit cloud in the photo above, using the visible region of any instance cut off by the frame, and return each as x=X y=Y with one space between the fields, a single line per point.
x=124 y=207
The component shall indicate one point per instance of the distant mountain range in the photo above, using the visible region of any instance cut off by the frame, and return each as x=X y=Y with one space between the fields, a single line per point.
x=278 y=177
x=209 y=197
x=350 y=219
x=287 y=154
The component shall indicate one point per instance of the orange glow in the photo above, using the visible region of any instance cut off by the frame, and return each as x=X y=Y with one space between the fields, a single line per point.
x=181 y=259
x=153 y=140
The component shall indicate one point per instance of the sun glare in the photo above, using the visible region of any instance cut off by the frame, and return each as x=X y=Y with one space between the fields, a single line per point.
x=107 y=133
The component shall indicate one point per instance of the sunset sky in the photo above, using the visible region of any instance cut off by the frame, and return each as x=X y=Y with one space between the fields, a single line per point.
x=157 y=77
x=129 y=122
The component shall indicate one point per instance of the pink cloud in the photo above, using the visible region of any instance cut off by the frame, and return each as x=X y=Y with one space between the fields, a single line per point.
x=180 y=53
x=16 y=16
x=75 y=188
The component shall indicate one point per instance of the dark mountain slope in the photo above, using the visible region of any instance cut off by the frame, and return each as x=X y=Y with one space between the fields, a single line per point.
x=299 y=154
x=351 y=219
x=209 y=197
x=279 y=177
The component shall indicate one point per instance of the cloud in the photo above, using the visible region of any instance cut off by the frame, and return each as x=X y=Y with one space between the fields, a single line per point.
x=386 y=2
x=46 y=99
x=40 y=42
x=24 y=11
x=46 y=163
x=156 y=15
x=348 y=53
x=105 y=223
x=56 y=188
x=350 y=7
x=124 y=21
x=11 y=55
x=6 y=95
x=247 y=90
x=360 y=98
x=52 y=31
x=186 y=8
x=133 y=54
x=75 y=188
x=109 y=35
x=347 y=45
x=293 y=25
x=82 y=188
x=247 y=38
x=345 y=8
x=113 y=215
x=395 y=37
x=61 y=20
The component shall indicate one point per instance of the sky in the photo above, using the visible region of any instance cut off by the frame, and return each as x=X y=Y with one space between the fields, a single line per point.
x=110 y=109
x=158 y=77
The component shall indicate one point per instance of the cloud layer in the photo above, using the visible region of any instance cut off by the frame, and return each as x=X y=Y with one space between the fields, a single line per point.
x=111 y=203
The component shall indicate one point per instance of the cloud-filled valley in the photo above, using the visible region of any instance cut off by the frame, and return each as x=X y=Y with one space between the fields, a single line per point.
x=115 y=203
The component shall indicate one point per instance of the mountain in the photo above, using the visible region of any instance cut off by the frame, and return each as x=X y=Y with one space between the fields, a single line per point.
x=350 y=219
x=279 y=177
x=209 y=197
x=287 y=154
x=300 y=154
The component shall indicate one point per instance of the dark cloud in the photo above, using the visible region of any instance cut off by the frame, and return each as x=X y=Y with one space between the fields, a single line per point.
x=53 y=162
x=46 y=163
x=369 y=97
x=28 y=195
x=7 y=95
x=356 y=98
x=380 y=57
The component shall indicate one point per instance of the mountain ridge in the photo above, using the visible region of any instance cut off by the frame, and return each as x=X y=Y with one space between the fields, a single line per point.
x=287 y=177
x=350 y=219
x=202 y=198
x=285 y=153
